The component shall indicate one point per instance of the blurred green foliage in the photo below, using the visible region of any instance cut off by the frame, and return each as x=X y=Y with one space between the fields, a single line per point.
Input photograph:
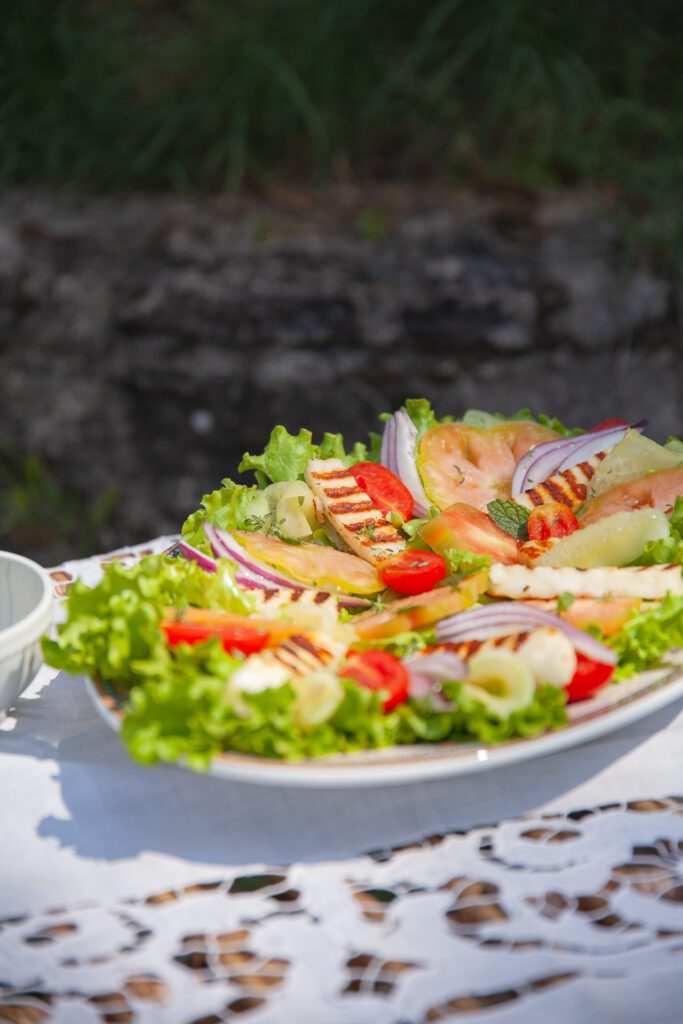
x=40 y=517
x=206 y=95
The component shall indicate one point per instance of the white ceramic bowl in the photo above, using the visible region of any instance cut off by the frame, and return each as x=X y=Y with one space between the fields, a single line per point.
x=25 y=614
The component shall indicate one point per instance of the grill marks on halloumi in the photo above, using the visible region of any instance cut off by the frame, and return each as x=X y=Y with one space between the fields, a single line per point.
x=569 y=488
x=306 y=653
x=296 y=656
x=360 y=523
x=651 y=582
x=284 y=596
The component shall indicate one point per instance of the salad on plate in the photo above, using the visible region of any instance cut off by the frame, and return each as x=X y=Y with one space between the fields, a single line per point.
x=448 y=581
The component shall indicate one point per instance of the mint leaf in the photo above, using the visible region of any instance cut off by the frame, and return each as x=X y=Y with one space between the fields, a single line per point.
x=510 y=517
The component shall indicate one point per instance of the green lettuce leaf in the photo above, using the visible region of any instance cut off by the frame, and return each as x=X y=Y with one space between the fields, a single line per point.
x=465 y=563
x=484 y=420
x=669 y=550
x=510 y=517
x=228 y=508
x=183 y=715
x=647 y=636
x=113 y=627
x=285 y=456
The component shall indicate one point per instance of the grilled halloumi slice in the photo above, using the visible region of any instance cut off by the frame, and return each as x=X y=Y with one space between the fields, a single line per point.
x=349 y=510
x=652 y=582
x=284 y=597
x=570 y=487
x=546 y=651
x=297 y=656
x=533 y=549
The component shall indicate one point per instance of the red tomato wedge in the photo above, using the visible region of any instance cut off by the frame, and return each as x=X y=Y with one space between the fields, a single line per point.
x=233 y=637
x=467 y=528
x=551 y=519
x=590 y=676
x=608 y=423
x=214 y=622
x=413 y=572
x=384 y=488
x=378 y=670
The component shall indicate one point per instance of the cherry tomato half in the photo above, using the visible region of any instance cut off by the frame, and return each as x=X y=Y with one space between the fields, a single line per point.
x=232 y=637
x=384 y=488
x=378 y=670
x=552 y=519
x=413 y=572
x=589 y=677
x=608 y=423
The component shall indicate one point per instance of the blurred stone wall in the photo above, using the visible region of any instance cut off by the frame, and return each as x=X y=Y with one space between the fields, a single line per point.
x=145 y=342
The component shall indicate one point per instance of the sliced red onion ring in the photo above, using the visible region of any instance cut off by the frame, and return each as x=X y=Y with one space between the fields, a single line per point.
x=438 y=665
x=545 y=460
x=195 y=555
x=258 y=575
x=594 y=443
x=399 y=454
x=427 y=671
x=502 y=619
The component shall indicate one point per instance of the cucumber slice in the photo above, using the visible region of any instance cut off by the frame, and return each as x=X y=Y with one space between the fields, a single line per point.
x=634 y=456
x=501 y=681
x=616 y=540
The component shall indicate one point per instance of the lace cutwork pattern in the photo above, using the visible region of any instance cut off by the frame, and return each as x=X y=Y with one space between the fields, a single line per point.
x=433 y=931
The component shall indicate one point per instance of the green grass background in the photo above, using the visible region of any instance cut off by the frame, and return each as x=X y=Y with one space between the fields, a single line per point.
x=207 y=95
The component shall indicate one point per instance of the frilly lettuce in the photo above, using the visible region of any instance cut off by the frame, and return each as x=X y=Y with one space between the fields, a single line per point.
x=183 y=715
x=285 y=456
x=112 y=628
x=228 y=508
x=648 y=635
x=484 y=420
x=669 y=550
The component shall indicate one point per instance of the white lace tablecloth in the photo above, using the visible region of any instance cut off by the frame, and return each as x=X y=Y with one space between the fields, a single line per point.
x=550 y=891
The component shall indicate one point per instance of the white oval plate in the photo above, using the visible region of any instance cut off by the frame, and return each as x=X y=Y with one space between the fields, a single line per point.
x=613 y=708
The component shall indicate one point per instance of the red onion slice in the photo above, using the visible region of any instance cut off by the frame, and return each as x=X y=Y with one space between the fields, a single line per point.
x=399 y=454
x=195 y=555
x=259 y=575
x=503 y=619
x=545 y=460
x=438 y=665
x=596 y=442
x=427 y=671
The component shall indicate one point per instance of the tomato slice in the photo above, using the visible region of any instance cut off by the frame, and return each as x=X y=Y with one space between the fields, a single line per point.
x=378 y=670
x=608 y=423
x=588 y=678
x=413 y=572
x=552 y=519
x=384 y=488
x=233 y=637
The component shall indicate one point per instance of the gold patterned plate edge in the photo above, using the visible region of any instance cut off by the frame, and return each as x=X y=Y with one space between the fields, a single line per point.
x=622 y=704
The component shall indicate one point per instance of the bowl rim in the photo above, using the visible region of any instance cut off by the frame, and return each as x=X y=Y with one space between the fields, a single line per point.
x=32 y=625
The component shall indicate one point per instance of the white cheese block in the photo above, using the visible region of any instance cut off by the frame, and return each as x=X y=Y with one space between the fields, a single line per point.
x=651 y=582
